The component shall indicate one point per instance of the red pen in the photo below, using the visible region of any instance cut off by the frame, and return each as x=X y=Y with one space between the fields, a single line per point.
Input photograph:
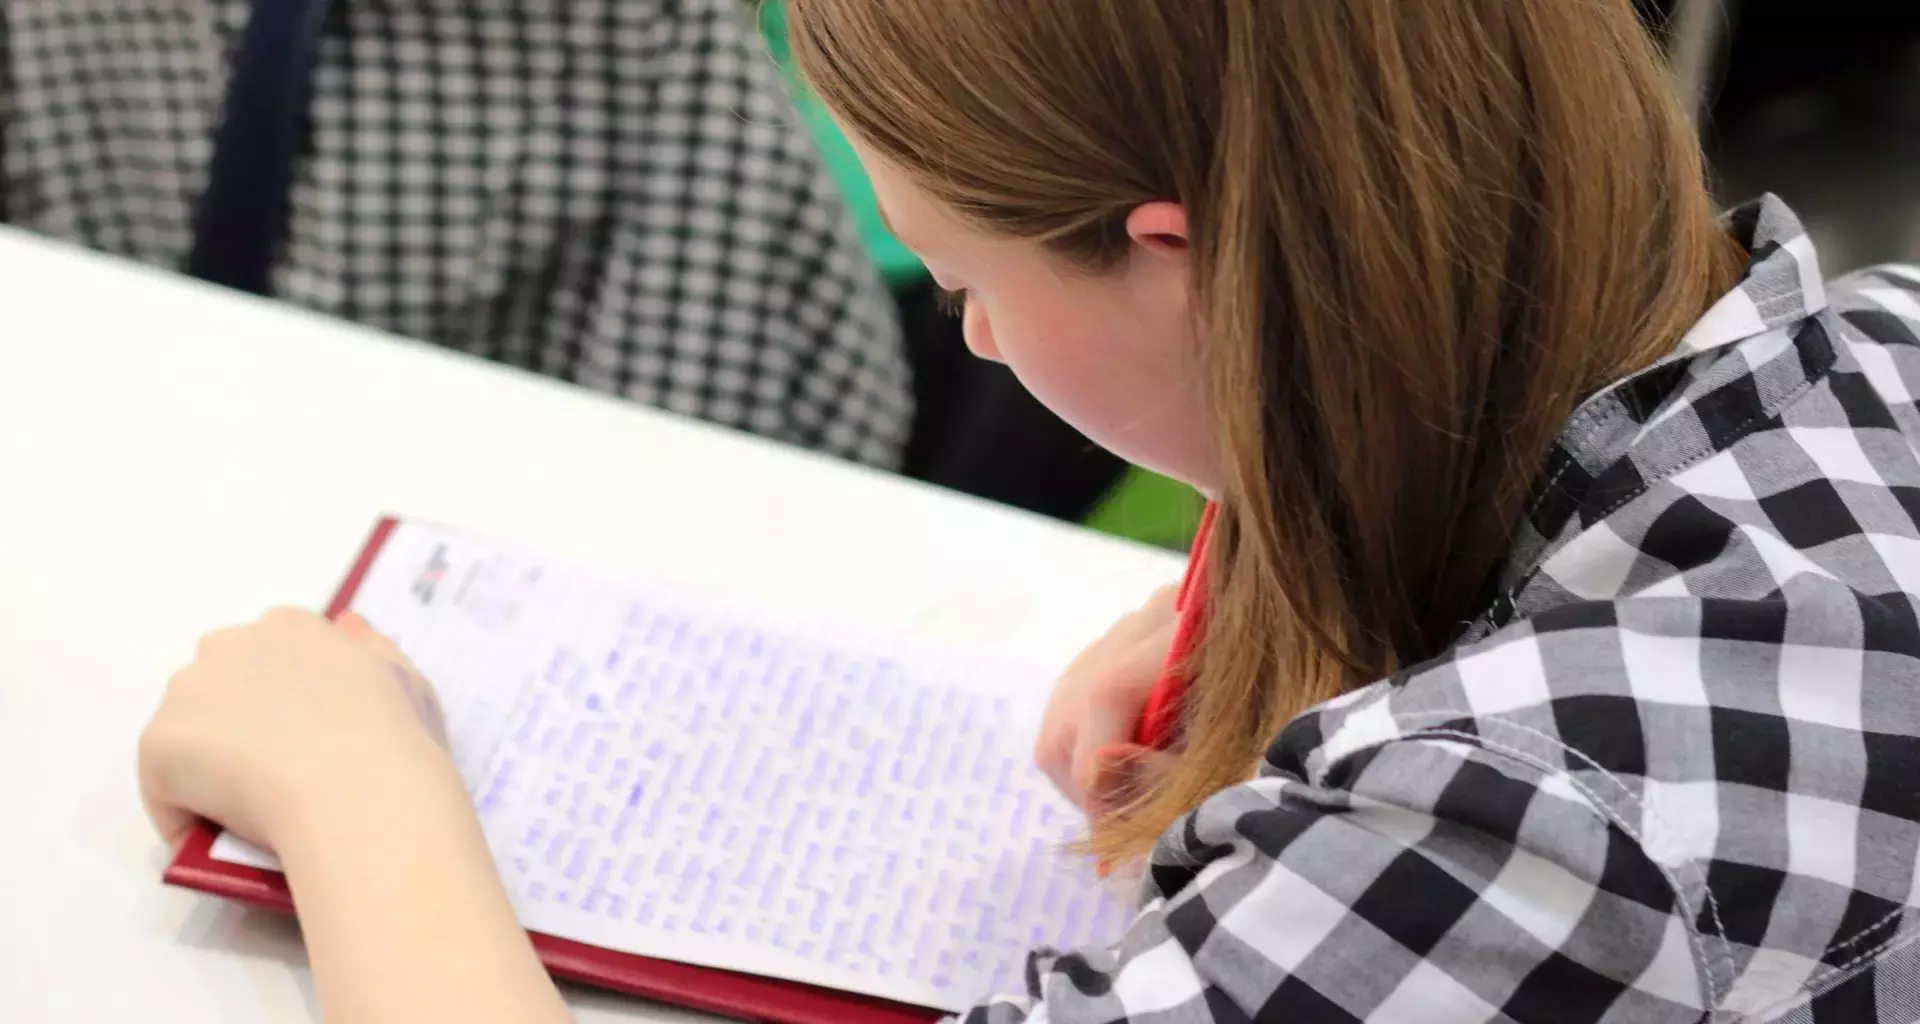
x=1159 y=720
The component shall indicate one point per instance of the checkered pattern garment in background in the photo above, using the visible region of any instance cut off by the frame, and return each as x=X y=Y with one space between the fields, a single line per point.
x=1674 y=774
x=611 y=192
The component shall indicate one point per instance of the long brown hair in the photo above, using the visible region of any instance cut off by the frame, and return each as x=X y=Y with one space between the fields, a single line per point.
x=1422 y=232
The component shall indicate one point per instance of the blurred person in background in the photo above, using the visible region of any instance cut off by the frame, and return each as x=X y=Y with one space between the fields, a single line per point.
x=610 y=192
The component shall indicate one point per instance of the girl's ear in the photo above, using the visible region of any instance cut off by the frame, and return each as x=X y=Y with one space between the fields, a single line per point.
x=1159 y=228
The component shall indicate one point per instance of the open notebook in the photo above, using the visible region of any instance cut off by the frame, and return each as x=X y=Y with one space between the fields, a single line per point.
x=669 y=778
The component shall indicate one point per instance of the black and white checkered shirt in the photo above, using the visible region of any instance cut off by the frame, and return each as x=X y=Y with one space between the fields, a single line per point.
x=612 y=192
x=1673 y=776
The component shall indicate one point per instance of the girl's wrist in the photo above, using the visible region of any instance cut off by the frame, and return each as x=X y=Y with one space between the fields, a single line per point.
x=390 y=867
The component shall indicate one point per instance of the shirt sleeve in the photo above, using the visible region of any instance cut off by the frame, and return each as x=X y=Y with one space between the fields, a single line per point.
x=1429 y=878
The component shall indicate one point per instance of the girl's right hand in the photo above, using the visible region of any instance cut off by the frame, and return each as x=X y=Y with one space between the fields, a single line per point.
x=1086 y=738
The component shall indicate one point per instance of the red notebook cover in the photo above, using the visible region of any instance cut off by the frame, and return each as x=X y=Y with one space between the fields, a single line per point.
x=731 y=993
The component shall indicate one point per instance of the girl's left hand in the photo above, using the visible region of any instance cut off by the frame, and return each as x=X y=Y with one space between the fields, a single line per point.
x=307 y=737
x=277 y=716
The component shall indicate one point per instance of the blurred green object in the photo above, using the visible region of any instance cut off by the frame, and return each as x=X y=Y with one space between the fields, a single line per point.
x=897 y=263
x=1143 y=506
x=1150 y=508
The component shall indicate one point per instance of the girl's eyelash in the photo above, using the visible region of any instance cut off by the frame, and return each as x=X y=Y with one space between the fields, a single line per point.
x=953 y=302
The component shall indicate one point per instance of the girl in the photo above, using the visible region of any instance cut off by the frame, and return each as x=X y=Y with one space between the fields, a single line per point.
x=1556 y=629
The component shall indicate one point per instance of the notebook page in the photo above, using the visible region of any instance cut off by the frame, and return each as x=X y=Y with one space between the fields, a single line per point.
x=681 y=776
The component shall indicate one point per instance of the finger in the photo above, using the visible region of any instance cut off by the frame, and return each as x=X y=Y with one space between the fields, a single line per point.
x=218 y=644
x=1113 y=715
x=1053 y=755
x=1141 y=621
x=172 y=822
x=1160 y=606
x=1124 y=771
x=360 y=631
x=1149 y=655
x=1107 y=722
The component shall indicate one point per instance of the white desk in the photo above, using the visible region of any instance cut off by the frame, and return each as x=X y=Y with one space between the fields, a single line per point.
x=174 y=459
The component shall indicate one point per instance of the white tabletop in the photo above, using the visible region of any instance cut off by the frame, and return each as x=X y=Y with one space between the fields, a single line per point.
x=174 y=459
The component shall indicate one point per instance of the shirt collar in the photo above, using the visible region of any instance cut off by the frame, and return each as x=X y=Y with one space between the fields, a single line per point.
x=1749 y=355
x=1782 y=284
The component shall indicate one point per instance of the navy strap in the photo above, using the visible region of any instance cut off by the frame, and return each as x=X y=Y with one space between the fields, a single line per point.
x=243 y=215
